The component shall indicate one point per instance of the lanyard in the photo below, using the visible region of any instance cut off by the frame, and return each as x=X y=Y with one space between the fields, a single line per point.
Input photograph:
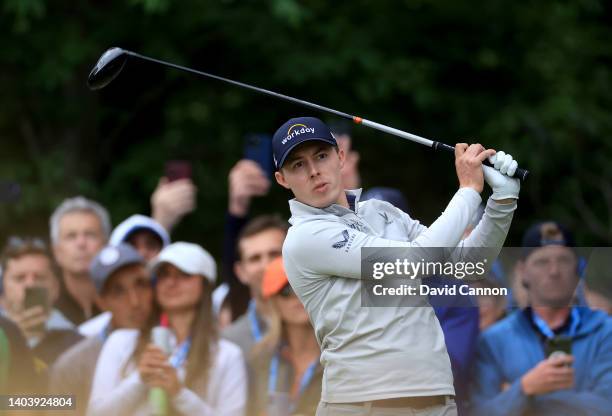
x=255 y=329
x=180 y=354
x=304 y=382
x=548 y=333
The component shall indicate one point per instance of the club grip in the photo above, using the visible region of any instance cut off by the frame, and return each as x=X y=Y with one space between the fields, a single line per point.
x=520 y=173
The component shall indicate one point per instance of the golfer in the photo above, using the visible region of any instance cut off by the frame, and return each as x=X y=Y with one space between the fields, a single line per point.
x=377 y=361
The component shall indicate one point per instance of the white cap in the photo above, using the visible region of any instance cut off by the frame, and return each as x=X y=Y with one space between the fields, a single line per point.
x=135 y=223
x=189 y=258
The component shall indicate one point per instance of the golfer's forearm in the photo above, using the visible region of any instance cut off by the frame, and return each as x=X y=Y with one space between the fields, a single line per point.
x=493 y=228
x=448 y=229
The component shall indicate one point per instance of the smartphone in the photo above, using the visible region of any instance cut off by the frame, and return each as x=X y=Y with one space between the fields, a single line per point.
x=258 y=148
x=559 y=344
x=178 y=169
x=36 y=296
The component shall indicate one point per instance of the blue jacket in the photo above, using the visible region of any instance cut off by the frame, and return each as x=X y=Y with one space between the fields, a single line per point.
x=512 y=347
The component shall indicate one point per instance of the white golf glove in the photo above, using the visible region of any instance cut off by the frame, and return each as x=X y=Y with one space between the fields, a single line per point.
x=498 y=178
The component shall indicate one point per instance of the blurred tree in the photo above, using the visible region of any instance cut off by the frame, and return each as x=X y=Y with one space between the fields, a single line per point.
x=533 y=79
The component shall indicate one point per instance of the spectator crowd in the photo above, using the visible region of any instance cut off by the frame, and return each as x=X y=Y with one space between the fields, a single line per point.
x=79 y=311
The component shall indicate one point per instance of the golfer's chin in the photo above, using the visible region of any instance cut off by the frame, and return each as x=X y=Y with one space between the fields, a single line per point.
x=322 y=198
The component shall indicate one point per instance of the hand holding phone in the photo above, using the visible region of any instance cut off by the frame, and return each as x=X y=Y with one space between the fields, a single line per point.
x=258 y=148
x=551 y=374
x=246 y=180
x=175 y=195
x=34 y=313
x=178 y=169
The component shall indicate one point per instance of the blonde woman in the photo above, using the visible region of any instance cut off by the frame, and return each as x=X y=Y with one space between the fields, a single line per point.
x=287 y=372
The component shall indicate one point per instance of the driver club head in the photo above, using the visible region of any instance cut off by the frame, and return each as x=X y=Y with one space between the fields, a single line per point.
x=107 y=68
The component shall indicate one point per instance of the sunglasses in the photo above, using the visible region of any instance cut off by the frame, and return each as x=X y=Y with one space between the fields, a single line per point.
x=15 y=242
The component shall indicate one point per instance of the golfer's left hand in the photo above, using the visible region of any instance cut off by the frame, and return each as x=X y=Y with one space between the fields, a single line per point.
x=499 y=177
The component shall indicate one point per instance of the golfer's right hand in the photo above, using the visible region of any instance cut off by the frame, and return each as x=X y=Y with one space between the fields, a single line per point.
x=468 y=162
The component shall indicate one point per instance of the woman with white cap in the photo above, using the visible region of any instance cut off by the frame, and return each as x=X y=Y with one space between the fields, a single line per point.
x=201 y=374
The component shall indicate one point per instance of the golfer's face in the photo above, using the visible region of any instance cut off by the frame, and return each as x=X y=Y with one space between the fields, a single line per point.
x=312 y=172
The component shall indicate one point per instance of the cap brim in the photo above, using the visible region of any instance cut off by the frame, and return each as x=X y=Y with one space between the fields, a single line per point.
x=116 y=267
x=296 y=144
x=154 y=268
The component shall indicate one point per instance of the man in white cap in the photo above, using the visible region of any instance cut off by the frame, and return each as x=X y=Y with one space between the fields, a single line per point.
x=145 y=234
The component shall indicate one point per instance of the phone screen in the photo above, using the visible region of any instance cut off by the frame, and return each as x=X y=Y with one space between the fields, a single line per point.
x=36 y=296
x=258 y=148
x=178 y=169
x=563 y=344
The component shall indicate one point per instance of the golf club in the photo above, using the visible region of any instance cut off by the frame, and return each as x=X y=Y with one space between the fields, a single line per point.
x=113 y=60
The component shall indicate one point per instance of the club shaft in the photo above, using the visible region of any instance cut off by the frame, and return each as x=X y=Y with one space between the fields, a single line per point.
x=435 y=145
x=395 y=132
x=242 y=84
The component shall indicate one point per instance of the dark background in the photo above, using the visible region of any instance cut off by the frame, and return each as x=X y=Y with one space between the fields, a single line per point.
x=530 y=78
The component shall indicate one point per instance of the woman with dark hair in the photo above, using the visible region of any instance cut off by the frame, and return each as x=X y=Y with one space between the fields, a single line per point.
x=201 y=374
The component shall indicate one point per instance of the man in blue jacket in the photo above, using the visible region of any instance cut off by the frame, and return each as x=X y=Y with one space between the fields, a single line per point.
x=521 y=367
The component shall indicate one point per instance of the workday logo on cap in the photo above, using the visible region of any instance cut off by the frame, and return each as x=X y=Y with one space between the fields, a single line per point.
x=296 y=131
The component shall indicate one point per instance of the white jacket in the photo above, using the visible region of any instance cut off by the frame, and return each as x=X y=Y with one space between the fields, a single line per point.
x=377 y=353
x=114 y=394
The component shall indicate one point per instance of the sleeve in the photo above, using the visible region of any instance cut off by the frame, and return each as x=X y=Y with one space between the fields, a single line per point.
x=487 y=397
x=493 y=228
x=487 y=239
x=21 y=371
x=580 y=403
x=232 y=227
x=110 y=393
x=230 y=389
x=66 y=377
x=239 y=294
x=332 y=248
x=460 y=327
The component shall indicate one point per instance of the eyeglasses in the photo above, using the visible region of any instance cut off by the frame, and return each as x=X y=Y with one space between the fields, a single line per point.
x=286 y=291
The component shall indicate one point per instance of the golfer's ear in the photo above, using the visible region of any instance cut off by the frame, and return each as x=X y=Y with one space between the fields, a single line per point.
x=341 y=156
x=280 y=179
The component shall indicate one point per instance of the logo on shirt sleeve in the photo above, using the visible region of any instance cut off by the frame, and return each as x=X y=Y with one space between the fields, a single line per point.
x=343 y=242
x=386 y=217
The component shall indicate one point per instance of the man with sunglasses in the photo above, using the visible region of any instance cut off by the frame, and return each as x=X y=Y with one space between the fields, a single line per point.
x=376 y=358
x=551 y=358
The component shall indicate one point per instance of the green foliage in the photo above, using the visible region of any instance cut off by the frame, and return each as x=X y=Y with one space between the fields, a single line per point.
x=533 y=79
